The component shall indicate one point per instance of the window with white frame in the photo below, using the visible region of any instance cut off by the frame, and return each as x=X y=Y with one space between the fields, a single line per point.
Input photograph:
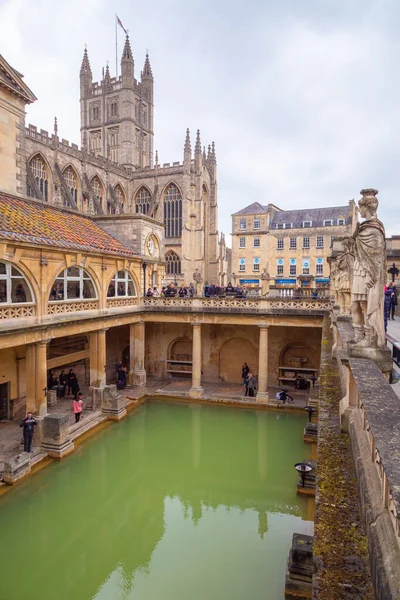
x=279 y=266
x=242 y=242
x=256 y=242
x=292 y=270
x=13 y=286
x=242 y=224
x=293 y=243
x=306 y=242
x=256 y=264
x=306 y=266
x=74 y=283
x=307 y=223
x=280 y=226
x=257 y=224
x=331 y=243
x=319 y=269
x=320 y=241
x=121 y=285
x=328 y=222
x=341 y=222
x=288 y=225
x=280 y=243
x=242 y=264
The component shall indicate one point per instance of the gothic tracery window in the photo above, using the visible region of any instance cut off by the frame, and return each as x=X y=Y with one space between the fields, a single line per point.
x=39 y=172
x=142 y=201
x=98 y=189
x=172 y=212
x=173 y=263
x=72 y=182
x=120 y=196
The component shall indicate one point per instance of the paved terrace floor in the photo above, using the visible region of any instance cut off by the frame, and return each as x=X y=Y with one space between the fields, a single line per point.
x=11 y=434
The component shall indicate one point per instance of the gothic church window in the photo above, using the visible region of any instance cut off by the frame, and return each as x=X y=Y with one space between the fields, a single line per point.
x=98 y=189
x=72 y=182
x=120 y=196
x=39 y=171
x=95 y=141
x=172 y=211
x=172 y=263
x=142 y=201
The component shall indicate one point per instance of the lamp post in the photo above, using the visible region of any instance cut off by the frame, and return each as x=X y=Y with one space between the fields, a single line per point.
x=393 y=271
x=144 y=267
x=302 y=468
x=310 y=410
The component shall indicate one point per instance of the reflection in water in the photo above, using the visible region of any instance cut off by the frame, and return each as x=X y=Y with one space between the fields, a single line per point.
x=175 y=502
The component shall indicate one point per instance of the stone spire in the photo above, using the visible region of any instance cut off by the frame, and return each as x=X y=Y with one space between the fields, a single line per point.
x=209 y=152
x=85 y=67
x=188 y=147
x=197 y=148
x=213 y=155
x=147 y=72
x=55 y=127
x=156 y=159
x=107 y=77
x=127 y=51
x=204 y=153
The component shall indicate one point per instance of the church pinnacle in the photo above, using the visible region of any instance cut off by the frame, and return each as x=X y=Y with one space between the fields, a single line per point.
x=147 y=72
x=85 y=67
x=188 y=147
x=197 y=148
x=127 y=52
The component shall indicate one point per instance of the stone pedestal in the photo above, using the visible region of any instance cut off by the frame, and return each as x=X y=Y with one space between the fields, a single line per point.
x=51 y=398
x=94 y=399
x=382 y=357
x=113 y=404
x=16 y=468
x=56 y=441
x=310 y=433
x=300 y=567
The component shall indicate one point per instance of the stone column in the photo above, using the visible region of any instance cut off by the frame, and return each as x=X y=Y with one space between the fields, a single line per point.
x=262 y=393
x=139 y=373
x=196 y=390
x=30 y=377
x=93 y=366
x=131 y=353
x=41 y=378
x=101 y=357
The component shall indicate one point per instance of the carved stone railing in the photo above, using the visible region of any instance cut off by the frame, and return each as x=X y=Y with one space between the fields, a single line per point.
x=117 y=302
x=71 y=306
x=239 y=304
x=17 y=311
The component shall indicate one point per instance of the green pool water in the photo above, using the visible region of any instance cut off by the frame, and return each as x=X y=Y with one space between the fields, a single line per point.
x=175 y=502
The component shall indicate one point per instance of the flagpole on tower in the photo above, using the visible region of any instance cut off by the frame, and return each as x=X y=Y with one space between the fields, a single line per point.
x=116 y=47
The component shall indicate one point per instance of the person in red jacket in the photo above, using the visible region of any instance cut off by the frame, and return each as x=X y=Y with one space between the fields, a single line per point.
x=77 y=407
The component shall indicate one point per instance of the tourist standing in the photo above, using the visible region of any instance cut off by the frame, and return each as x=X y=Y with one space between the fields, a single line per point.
x=251 y=385
x=245 y=372
x=182 y=291
x=156 y=293
x=63 y=383
x=70 y=377
x=393 y=300
x=77 y=406
x=28 y=424
x=74 y=386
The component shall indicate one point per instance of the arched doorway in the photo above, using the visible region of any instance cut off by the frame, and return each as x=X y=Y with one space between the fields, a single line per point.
x=179 y=362
x=232 y=355
x=296 y=359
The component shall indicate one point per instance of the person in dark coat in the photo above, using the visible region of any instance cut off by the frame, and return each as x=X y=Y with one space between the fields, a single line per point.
x=387 y=305
x=51 y=380
x=74 y=386
x=245 y=372
x=251 y=385
x=28 y=424
x=63 y=382
x=70 y=377
x=393 y=300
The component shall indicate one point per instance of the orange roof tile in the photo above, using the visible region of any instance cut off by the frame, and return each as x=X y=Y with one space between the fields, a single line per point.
x=38 y=223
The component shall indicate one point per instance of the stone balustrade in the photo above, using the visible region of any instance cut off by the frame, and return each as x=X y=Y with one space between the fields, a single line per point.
x=249 y=304
x=17 y=311
x=71 y=306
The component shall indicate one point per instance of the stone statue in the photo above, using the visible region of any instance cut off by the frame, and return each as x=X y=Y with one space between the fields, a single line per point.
x=198 y=280
x=368 y=281
x=265 y=282
x=344 y=275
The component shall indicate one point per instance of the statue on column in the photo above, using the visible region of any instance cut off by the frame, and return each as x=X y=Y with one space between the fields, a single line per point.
x=344 y=275
x=265 y=282
x=368 y=281
x=198 y=280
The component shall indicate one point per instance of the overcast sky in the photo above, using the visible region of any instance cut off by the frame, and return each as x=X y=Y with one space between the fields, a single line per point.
x=300 y=96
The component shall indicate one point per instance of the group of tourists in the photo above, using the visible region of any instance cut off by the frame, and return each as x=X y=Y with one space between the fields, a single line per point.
x=209 y=290
x=65 y=382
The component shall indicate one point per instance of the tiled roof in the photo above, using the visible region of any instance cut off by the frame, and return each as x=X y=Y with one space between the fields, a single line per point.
x=252 y=209
x=37 y=223
x=316 y=215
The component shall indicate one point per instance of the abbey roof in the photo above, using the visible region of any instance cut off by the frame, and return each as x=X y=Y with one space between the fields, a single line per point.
x=38 y=223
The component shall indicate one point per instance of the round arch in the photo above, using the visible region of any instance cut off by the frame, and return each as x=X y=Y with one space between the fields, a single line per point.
x=17 y=285
x=117 y=278
x=297 y=355
x=44 y=182
x=70 y=275
x=233 y=353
